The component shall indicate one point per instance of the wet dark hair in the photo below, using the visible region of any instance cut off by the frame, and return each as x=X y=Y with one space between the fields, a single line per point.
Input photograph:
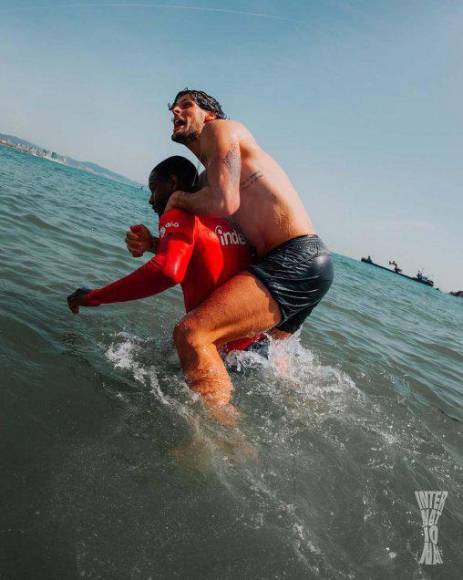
x=179 y=166
x=203 y=100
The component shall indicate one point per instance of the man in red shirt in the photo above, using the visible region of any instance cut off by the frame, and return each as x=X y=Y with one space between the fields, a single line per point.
x=200 y=253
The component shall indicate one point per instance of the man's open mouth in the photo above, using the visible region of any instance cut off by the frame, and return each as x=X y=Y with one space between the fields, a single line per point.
x=178 y=123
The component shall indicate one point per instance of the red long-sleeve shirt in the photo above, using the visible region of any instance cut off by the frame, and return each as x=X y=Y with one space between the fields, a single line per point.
x=198 y=252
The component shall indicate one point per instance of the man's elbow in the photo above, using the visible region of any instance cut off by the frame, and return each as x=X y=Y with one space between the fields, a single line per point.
x=173 y=274
x=229 y=204
x=170 y=270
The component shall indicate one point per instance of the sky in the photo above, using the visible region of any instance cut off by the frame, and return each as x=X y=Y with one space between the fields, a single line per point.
x=359 y=101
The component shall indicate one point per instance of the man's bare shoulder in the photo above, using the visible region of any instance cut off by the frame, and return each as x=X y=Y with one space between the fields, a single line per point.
x=224 y=130
x=221 y=127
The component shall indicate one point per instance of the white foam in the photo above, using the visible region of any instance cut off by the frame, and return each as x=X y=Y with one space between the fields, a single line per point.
x=129 y=353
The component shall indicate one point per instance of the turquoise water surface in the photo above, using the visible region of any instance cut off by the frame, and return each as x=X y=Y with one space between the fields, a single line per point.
x=110 y=468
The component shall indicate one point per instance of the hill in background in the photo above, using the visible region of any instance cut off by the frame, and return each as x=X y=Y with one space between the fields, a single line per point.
x=38 y=151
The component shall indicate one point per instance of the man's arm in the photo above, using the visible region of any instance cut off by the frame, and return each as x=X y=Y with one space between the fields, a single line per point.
x=221 y=197
x=163 y=271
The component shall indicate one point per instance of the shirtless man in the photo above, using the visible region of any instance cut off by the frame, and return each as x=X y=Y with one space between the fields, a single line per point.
x=294 y=268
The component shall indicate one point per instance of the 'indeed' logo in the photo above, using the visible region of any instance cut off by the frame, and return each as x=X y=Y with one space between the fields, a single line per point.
x=230 y=238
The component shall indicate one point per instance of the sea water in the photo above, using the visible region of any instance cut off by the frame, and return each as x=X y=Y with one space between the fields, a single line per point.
x=110 y=469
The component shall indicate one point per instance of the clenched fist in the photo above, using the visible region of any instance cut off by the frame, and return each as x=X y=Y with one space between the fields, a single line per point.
x=139 y=240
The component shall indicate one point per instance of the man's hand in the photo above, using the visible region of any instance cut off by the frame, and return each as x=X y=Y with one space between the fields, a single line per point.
x=139 y=240
x=78 y=299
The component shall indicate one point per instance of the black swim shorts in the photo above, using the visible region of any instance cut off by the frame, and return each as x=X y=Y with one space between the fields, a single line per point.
x=297 y=274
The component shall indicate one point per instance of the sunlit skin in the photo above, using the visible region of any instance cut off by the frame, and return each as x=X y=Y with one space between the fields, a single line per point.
x=244 y=183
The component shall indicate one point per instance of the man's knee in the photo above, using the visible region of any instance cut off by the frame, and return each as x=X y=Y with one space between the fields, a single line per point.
x=188 y=335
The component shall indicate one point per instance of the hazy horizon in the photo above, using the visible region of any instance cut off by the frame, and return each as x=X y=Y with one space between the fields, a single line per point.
x=359 y=102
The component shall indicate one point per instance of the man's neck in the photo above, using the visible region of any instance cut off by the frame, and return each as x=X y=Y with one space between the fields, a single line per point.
x=195 y=147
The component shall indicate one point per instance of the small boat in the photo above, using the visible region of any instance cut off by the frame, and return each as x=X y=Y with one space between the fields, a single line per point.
x=420 y=277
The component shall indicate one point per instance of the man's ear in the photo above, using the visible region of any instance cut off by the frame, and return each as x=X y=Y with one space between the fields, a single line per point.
x=210 y=116
x=173 y=182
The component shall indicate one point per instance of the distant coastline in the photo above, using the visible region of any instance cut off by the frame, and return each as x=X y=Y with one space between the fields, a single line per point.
x=37 y=151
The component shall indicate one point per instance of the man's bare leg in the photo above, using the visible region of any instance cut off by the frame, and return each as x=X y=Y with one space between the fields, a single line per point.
x=241 y=307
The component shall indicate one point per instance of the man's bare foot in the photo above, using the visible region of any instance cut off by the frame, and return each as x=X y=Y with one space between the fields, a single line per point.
x=226 y=415
x=201 y=452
